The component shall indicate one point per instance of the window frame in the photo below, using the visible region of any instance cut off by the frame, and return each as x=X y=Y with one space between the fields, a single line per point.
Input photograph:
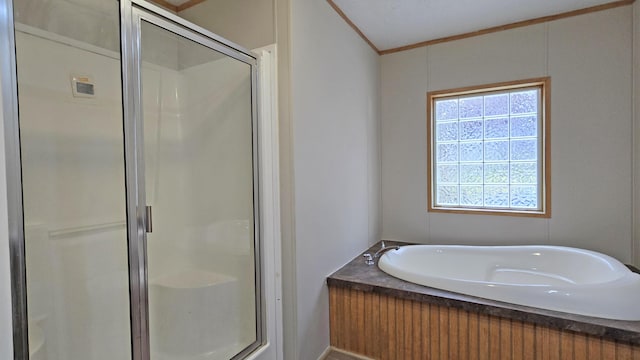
x=544 y=84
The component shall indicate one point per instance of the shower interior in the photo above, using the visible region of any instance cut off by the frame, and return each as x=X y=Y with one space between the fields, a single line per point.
x=198 y=179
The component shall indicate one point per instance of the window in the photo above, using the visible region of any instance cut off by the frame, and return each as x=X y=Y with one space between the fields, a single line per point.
x=489 y=149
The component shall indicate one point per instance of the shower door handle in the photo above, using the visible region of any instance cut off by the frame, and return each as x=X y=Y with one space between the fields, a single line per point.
x=148 y=219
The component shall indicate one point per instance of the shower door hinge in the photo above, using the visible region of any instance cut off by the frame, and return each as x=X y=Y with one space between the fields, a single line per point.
x=148 y=219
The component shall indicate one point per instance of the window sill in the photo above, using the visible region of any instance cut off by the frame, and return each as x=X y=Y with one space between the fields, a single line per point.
x=496 y=212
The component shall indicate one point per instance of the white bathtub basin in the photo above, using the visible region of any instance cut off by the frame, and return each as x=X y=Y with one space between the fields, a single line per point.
x=549 y=277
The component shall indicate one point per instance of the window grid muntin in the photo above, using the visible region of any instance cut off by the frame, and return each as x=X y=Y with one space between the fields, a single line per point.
x=510 y=185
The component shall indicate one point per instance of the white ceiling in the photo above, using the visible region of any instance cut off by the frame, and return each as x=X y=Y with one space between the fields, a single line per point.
x=393 y=23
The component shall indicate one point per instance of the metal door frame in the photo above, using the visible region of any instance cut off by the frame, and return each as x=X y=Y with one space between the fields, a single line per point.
x=132 y=12
x=9 y=87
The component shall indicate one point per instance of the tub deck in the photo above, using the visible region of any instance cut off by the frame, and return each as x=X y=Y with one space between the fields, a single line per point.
x=356 y=275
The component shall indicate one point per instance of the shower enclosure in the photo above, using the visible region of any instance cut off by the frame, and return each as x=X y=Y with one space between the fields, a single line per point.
x=134 y=192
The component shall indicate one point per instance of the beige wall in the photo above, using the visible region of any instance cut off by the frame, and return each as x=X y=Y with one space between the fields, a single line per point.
x=248 y=23
x=589 y=59
x=334 y=98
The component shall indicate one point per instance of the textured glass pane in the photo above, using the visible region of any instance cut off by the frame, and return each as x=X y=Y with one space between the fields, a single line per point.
x=447 y=195
x=496 y=128
x=447 y=131
x=446 y=110
x=524 y=126
x=471 y=151
x=471 y=107
x=524 y=102
x=471 y=195
x=496 y=196
x=447 y=174
x=471 y=173
x=496 y=173
x=496 y=150
x=524 y=197
x=524 y=149
x=471 y=130
x=495 y=105
x=447 y=152
x=524 y=173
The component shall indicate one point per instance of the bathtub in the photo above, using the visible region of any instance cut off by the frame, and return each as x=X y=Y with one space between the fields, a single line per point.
x=549 y=277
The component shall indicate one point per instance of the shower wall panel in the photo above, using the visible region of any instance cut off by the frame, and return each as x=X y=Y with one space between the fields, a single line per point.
x=192 y=143
x=166 y=179
x=214 y=130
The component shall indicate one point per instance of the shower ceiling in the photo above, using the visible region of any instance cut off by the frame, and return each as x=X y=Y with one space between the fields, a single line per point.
x=177 y=2
x=389 y=24
x=177 y=5
x=92 y=22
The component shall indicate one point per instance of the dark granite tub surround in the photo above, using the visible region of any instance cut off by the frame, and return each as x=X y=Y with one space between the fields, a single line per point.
x=357 y=275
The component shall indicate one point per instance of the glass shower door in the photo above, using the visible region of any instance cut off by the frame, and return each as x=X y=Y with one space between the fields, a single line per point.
x=73 y=180
x=198 y=133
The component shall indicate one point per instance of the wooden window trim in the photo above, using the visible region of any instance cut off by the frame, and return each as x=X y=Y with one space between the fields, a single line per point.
x=545 y=87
